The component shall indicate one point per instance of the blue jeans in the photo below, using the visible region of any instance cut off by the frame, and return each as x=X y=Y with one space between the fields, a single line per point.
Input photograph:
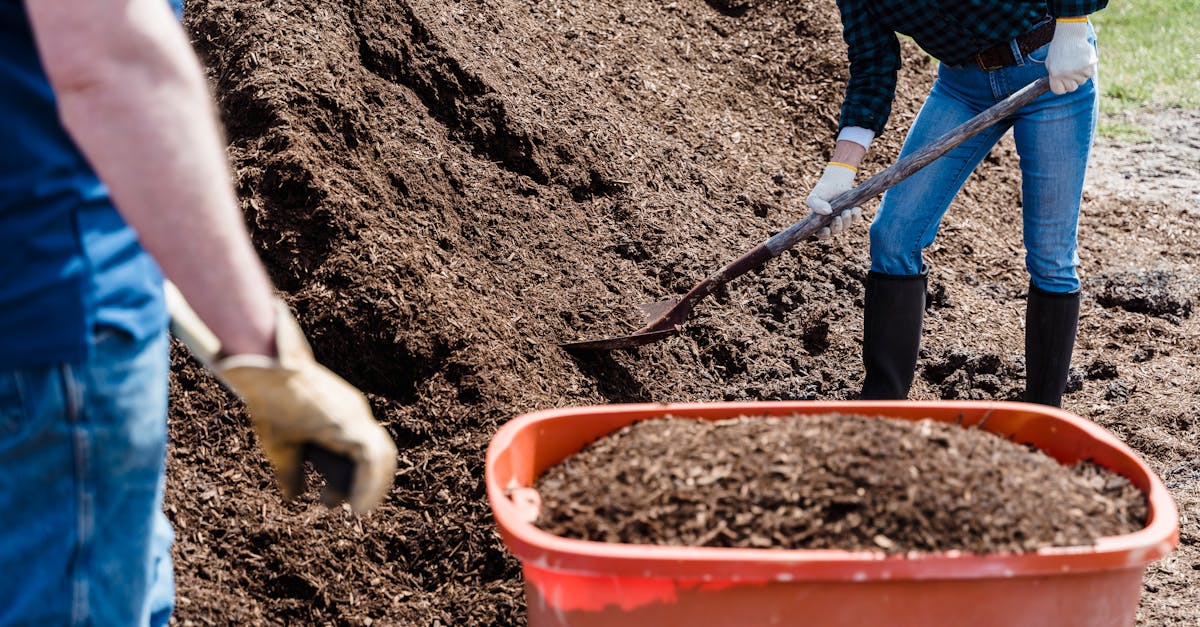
x=1053 y=136
x=83 y=539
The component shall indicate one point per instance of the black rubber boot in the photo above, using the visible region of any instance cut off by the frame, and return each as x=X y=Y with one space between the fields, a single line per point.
x=1050 y=323
x=894 y=309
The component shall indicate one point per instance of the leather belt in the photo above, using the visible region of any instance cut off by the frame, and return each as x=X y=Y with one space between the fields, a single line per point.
x=1001 y=55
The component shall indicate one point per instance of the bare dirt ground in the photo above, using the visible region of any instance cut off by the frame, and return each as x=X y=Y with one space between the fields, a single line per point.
x=444 y=190
x=1162 y=169
x=1146 y=197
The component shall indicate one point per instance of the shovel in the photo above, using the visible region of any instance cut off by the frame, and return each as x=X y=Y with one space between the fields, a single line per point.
x=666 y=318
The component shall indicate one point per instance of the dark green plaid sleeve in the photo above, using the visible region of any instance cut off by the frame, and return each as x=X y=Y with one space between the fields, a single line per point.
x=1075 y=8
x=874 y=53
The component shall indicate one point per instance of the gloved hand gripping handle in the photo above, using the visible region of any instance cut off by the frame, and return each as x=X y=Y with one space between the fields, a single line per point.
x=337 y=469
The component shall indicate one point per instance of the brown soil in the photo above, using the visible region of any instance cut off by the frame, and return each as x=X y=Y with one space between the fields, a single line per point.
x=830 y=482
x=444 y=190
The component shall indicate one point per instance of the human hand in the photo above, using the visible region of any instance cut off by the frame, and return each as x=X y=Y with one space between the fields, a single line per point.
x=840 y=222
x=1071 y=59
x=294 y=402
x=836 y=180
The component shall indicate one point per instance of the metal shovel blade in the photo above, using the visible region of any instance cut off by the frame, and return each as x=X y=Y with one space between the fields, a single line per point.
x=659 y=325
x=654 y=311
x=624 y=341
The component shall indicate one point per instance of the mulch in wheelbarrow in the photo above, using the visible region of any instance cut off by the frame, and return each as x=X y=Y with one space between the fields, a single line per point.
x=831 y=482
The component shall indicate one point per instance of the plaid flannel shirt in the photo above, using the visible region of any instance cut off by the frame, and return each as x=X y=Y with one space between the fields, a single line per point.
x=952 y=32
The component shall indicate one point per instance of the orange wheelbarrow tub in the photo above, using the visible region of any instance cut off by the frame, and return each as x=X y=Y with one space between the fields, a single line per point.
x=583 y=583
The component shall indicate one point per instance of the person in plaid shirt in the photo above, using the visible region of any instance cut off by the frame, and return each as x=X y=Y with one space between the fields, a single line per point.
x=987 y=50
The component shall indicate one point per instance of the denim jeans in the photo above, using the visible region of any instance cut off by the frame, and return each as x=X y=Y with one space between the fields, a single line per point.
x=83 y=538
x=1053 y=137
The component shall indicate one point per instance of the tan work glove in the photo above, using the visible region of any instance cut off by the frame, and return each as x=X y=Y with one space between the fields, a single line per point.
x=294 y=401
x=297 y=407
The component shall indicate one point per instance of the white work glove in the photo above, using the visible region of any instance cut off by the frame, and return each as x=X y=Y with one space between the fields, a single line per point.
x=835 y=181
x=1071 y=59
x=294 y=402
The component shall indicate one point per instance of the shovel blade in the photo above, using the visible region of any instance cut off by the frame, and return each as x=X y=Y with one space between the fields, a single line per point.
x=654 y=311
x=663 y=319
x=624 y=341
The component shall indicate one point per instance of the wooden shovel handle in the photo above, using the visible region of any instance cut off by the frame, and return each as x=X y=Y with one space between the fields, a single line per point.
x=872 y=187
x=903 y=168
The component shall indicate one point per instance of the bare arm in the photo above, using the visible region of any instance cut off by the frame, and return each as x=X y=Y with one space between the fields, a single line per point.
x=132 y=95
x=848 y=152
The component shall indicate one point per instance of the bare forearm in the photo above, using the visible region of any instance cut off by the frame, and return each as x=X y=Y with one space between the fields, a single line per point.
x=140 y=111
x=849 y=153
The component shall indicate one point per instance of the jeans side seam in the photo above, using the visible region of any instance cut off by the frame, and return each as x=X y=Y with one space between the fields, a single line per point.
x=73 y=403
x=23 y=417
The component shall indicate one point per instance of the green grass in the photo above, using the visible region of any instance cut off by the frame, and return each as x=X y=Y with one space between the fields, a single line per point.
x=1149 y=54
x=1123 y=131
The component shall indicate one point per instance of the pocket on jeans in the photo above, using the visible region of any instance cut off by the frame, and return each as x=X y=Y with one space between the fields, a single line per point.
x=12 y=407
x=1039 y=55
x=104 y=335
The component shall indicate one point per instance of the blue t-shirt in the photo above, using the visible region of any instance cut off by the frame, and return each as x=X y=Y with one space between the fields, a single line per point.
x=69 y=265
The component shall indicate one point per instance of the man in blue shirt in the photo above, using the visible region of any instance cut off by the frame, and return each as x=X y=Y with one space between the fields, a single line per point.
x=988 y=49
x=112 y=166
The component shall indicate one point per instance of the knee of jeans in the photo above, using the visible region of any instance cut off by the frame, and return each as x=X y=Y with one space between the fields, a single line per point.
x=1057 y=280
x=891 y=251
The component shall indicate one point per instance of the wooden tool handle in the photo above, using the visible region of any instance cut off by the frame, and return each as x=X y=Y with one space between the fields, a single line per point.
x=903 y=168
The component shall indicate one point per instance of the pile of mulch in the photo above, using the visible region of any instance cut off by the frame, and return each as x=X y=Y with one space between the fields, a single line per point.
x=831 y=482
x=443 y=191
